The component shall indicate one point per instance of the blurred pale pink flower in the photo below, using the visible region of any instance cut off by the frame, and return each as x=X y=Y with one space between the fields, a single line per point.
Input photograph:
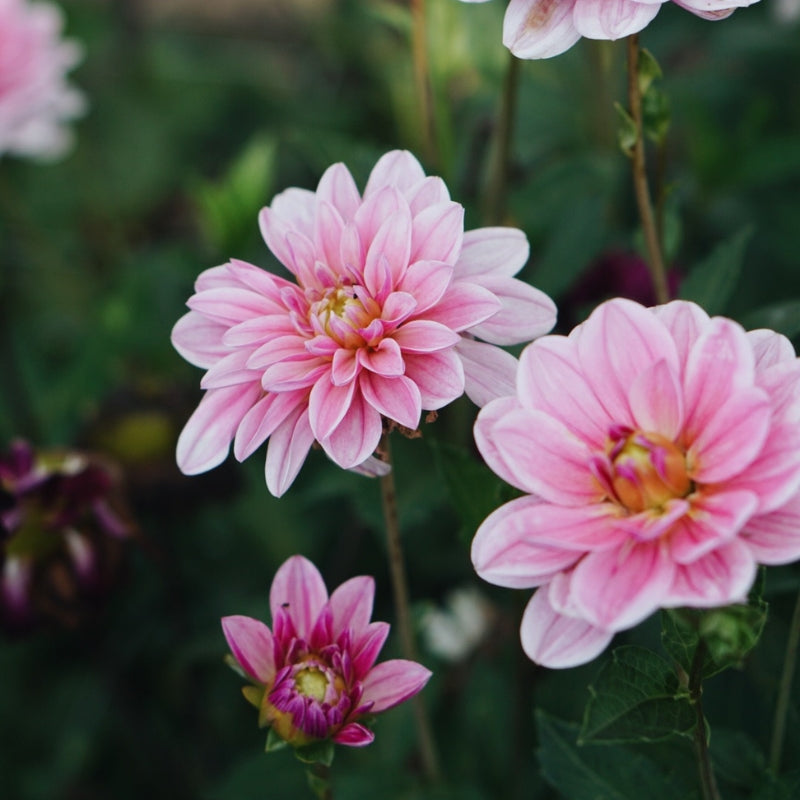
x=35 y=99
x=314 y=673
x=545 y=28
x=390 y=294
x=661 y=452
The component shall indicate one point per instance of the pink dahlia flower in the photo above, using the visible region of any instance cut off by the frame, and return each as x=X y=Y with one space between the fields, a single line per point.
x=545 y=28
x=390 y=295
x=660 y=450
x=314 y=673
x=35 y=99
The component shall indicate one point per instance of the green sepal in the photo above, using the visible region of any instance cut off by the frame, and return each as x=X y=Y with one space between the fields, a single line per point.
x=626 y=132
x=235 y=666
x=274 y=742
x=317 y=752
x=254 y=695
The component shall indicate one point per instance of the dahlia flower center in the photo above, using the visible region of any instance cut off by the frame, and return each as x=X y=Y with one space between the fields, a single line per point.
x=343 y=312
x=647 y=469
x=312 y=682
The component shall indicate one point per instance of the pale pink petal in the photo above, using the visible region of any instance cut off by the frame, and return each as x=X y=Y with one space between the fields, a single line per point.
x=386 y=359
x=557 y=641
x=715 y=518
x=550 y=379
x=252 y=646
x=295 y=207
x=206 y=437
x=392 y=243
x=337 y=187
x=619 y=341
x=546 y=458
x=257 y=279
x=199 y=340
x=230 y=370
x=351 y=606
x=375 y=210
x=258 y=330
x=612 y=19
x=357 y=435
x=770 y=348
x=345 y=366
x=463 y=306
x=299 y=591
x=685 y=321
x=392 y=682
x=518 y=545
x=429 y=191
x=425 y=336
x=354 y=735
x=426 y=282
x=328 y=230
x=285 y=376
x=437 y=233
x=616 y=589
x=230 y=305
x=288 y=447
x=525 y=314
x=438 y=376
x=656 y=400
x=492 y=251
x=396 y=398
x=774 y=538
x=489 y=416
x=397 y=307
x=327 y=406
x=398 y=169
x=539 y=28
x=719 y=578
x=489 y=372
x=263 y=418
x=290 y=347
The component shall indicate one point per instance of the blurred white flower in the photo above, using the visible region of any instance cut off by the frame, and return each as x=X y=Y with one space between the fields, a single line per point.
x=453 y=632
x=786 y=10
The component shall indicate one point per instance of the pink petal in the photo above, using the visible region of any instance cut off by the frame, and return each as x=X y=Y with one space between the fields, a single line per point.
x=770 y=348
x=438 y=376
x=525 y=313
x=396 y=398
x=199 y=340
x=427 y=192
x=206 y=437
x=685 y=321
x=612 y=19
x=366 y=647
x=437 y=232
x=398 y=169
x=344 y=367
x=356 y=436
x=252 y=646
x=426 y=282
x=774 y=538
x=424 y=336
x=656 y=401
x=295 y=208
x=375 y=210
x=288 y=448
x=546 y=458
x=550 y=379
x=354 y=735
x=230 y=370
x=392 y=682
x=230 y=305
x=337 y=187
x=507 y=549
x=489 y=416
x=489 y=372
x=327 y=405
x=463 y=306
x=721 y=577
x=299 y=591
x=257 y=279
x=392 y=242
x=291 y=347
x=616 y=589
x=263 y=418
x=618 y=341
x=328 y=229
x=258 y=330
x=714 y=519
x=557 y=641
x=386 y=359
x=539 y=28
x=492 y=251
x=351 y=606
x=397 y=307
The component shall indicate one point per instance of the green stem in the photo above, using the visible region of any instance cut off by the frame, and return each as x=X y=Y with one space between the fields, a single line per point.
x=497 y=186
x=422 y=79
x=319 y=779
x=785 y=691
x=397 y=570
x=643 y=199
x=708 y=781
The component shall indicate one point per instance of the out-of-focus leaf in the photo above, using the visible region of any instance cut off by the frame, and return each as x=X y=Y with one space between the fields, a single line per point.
x=636 y=697
x=737 y=758
x=627 y=133
x=781 y=317
x=649 y=70
x=712 y=282
x=786 y=787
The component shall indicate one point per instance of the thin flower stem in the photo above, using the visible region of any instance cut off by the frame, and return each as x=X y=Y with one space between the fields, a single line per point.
x=785 y=691
x=497 y=186
x=707 y=779
x=397 y=570
x=319 y=779
x=422 y=79
x=643 y=200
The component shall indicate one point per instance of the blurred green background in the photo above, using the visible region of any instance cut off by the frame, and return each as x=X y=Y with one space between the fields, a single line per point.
x=199 y=113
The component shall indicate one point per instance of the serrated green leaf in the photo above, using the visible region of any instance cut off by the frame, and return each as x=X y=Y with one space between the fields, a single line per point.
x=782 y=317
x=712 y=282
x=636 y=697
x=316 y=752
x=597 y=772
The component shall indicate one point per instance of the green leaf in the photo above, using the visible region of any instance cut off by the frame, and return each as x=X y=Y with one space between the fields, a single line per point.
x=786 y=787
x=626 y=132
x=316 y=752
x=656 y=115
x=649 y=70
x=712 y=282
x=737 y=758
x=783 y=317
x=636 y=697
x=593 y=772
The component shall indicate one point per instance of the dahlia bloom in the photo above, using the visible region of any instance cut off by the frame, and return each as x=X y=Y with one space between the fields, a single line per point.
x=545 y=28
x=660 y=450
x=314 y=673
x=390 y=294
x=35 y=99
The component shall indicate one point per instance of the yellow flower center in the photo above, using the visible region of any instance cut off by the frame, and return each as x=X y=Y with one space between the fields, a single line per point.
x=311 y=682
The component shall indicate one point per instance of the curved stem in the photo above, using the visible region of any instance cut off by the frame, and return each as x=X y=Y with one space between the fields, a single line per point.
x=419 y=52
x=643 y=200
x=705 y=768
x=397 y=570
x=785 y=691
x=497 y=185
